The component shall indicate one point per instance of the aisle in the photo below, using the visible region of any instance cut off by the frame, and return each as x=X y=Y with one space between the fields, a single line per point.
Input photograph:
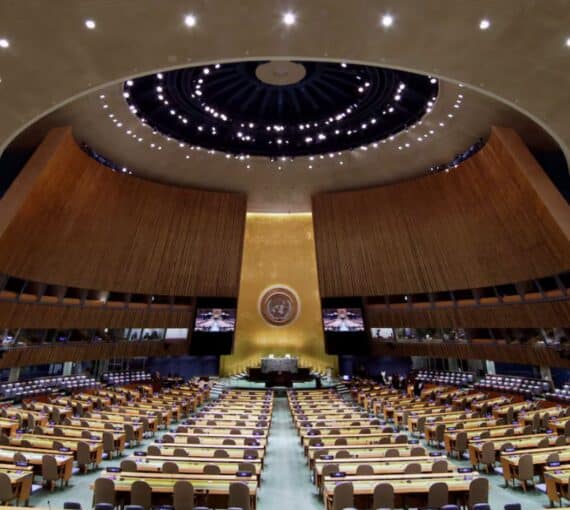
x=285 y=484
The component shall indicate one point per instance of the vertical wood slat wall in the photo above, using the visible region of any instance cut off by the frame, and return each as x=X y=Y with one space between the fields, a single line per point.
x=43 y=354
x=519 y=315
x=481 y=224
x=83 y=225
x=57 y=316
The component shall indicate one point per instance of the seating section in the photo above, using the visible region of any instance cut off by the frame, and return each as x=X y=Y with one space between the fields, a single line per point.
x=450 y=378
x=56 y=438
x=560 y=394
x=511 y=384
x=121 y=378
x=44 y=385
x=366 y=445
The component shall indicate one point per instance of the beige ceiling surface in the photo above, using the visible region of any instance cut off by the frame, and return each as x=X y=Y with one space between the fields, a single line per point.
x=114 y=132
x=521 y=59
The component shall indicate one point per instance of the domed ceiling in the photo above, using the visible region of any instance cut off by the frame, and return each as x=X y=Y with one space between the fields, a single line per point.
x=281 y=108
x=282 y=130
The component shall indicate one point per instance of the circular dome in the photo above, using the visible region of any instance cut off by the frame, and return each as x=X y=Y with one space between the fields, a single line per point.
x=281 y=109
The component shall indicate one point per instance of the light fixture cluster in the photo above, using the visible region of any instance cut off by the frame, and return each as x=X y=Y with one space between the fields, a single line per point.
x=193 y=107
x=402 y=141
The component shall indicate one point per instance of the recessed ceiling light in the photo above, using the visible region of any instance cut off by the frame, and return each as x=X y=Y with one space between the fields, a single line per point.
x=484 y=24
x=289 y=18
x=4 y=43
x=387 y=20
x=568 y=42
x=190 y=20
x=90 y=24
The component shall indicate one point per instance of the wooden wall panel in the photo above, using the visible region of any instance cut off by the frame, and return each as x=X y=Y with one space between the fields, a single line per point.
x=83 y=225
x=481 y=224
x=539 y=315
x=31 y=316
x=513 y=353
x=87 y=352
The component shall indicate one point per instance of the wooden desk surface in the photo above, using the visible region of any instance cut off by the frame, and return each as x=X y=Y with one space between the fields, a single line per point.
x=235 y=452
x=343 y=431
x=164 y=483
x=520 y=442
x=202 y=460
x=154 y=464
x=213 y=438
x=47 y=441
x=353 y=440
x=385 y=466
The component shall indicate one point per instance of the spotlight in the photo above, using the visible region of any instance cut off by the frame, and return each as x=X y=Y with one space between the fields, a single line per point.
x=289 y=18
x=484 y=24
x=190 y=20
x=90 y=24
x=387 y=20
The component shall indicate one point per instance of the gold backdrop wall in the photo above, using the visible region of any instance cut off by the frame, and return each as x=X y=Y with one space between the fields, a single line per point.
x=279 y=250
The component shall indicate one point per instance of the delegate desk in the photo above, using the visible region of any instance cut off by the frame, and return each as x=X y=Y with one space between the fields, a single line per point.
x=358 y=452
x=474 y=434
x=151 y=463
x=21 y=479
x=8 y=427
x=34 y=458
x=214 y=439
x=117 y=420
x=556 y=479
x=337 y=422
x=384 y=466
x=410 y=490
x=430 y=429
x=99 y=426
x=427 y=418
x=216 y=487
x=69 y=431
x=39 y=441
x=353 y=440
x=207 y=451
x=475 y=447
x=510 y=461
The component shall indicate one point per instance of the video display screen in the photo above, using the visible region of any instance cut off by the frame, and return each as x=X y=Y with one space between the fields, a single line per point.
x=215 y=320
x=343 y=320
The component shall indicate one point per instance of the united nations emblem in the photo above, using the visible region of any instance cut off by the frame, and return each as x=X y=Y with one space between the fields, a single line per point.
x=279 y=306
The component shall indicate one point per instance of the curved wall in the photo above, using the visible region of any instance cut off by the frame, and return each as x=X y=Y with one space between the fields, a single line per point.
x=72 y=221
x=494 y=219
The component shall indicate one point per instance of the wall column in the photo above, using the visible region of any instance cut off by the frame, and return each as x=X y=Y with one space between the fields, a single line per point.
x=67 y=368
x=545 y=373
x=14 y=374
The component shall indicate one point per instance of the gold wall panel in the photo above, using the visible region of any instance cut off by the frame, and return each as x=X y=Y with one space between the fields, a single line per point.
x=279 y=250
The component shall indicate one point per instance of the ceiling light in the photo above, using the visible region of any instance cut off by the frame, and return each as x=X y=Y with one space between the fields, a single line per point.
x=433 y=80
x=4 y=43
x=484 y=24
x=90 y=24
x=190 y=20
x=289 y=18
x=568 y=42
x=387 y=20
